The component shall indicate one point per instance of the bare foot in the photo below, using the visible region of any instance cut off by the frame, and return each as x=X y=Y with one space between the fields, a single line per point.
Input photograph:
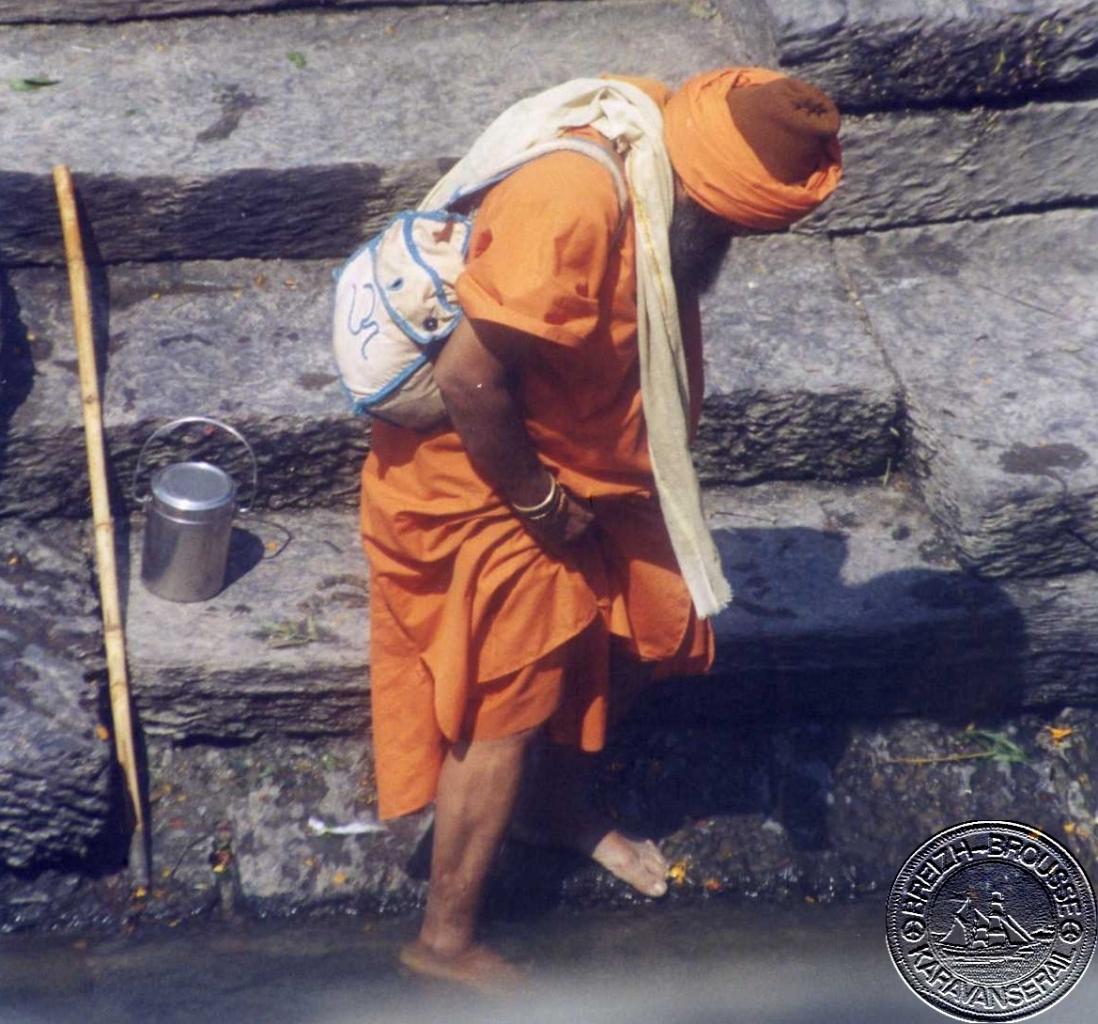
x=558 y=812
x=636 y=861
x=476 y=968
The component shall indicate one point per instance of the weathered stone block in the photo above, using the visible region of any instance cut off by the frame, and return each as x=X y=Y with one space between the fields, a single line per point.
x=18 y=12
x=906 y=53
x=245 y=342
x=55 y=791
x=832 y=808
x=267 y=792
x=282 y=649
x=829 y=808
x=991 y=328
x=206 y=141
x=795 y=385
x=847 y=604
x=197 y=98
x=826 y=809
x=910 y=168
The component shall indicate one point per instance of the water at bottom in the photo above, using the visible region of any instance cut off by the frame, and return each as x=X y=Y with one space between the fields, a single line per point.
x=722 y=961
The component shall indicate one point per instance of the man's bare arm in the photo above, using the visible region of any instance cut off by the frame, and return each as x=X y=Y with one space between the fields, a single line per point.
x=477 y=373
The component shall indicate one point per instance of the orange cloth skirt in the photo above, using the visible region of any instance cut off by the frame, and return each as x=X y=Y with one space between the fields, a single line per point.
x=569 y=690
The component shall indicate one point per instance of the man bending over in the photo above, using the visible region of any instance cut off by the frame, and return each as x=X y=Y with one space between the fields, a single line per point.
x=523 y=580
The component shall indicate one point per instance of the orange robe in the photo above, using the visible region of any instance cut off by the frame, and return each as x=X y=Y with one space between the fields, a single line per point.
x=476 y=631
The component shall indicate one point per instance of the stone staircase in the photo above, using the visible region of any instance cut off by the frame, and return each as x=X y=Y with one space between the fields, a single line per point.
x=898 y=441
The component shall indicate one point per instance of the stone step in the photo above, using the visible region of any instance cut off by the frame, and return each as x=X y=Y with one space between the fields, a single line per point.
x=827 y=810
x=847 y=605
x=991 y=329
x=22 y=12
x=54 y=768
x=831 y=739
x=905 y=52
x=796 y=386
x=914 y=167
x=867 y=54
x=847 y=609
x=247 y=342
x=265 y=793
x=282 y=650
x=202 y=140
x=209 y=121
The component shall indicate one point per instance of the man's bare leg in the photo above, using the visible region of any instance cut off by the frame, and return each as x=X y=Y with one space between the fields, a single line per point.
x=557 y=811
x=476 y=795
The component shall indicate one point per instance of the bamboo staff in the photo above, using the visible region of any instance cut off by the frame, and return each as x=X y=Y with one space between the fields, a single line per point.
x=113 y=637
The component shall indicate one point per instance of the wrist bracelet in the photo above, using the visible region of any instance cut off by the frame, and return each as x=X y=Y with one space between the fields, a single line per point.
x=543 y=506
x=560 y=497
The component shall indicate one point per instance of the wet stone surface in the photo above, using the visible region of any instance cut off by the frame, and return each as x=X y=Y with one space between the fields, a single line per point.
x=232 y=832
x=231 y=840
x=778 y=811
x=830 y=810
x=715 y=961
x=811 y=812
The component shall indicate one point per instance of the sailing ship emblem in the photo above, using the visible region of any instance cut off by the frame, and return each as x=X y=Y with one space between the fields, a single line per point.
x=993 y=935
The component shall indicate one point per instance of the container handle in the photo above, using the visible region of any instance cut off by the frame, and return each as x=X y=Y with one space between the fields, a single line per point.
x=160 y=431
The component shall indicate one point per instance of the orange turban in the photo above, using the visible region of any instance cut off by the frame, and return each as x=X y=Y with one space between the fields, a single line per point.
x=754 y=146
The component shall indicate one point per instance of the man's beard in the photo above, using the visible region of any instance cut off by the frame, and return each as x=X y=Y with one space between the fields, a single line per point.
x=699 y=241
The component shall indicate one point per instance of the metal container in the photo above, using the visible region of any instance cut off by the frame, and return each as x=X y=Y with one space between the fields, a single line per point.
x=189 y=521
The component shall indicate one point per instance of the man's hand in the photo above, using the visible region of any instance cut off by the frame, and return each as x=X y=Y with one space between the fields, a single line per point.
x=566 y=526
x=477 y=373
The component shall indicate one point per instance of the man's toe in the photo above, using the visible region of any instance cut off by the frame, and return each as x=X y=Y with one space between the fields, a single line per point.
x=650 y=854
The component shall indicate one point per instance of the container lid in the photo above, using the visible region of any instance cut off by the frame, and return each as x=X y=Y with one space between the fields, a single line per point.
x=194 y=486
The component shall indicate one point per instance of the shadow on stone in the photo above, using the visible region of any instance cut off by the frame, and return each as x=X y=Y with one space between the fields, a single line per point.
x=418 y=865
x=16 y=362
x=245 y=553
x=801 y=643
x=775 y=717
x=739 y=768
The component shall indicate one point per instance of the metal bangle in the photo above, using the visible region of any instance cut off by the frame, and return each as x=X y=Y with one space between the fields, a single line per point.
x=532 y=511
x=553 y=510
